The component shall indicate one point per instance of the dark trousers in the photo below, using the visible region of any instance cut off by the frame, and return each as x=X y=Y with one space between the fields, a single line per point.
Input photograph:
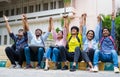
x=90 y=54
x=76 y=56
x=15 y=55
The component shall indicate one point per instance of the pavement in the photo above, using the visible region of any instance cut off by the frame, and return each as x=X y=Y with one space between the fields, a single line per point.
x=6 y=72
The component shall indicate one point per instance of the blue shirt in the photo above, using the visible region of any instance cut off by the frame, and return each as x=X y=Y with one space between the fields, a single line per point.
x=19 y=43
x=107 y=45
x=33 y=41
x=86 y=41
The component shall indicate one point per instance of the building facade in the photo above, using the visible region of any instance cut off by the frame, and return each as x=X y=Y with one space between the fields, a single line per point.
x=39 y=11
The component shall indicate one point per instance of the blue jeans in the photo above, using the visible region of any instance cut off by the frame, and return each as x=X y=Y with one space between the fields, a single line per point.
x=39 y=54
x=111 y=57
x=53 y=54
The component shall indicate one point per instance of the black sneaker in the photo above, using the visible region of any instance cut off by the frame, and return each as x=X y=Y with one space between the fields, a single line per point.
x=73 y=69
x=65 y=67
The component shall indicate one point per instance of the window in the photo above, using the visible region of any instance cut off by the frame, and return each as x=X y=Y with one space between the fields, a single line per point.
x=5 y=39
x=38 y=7
x=7 y=12
x=12 y=12
x=31 y=9
x=1 y=13
x=45 y=6
x=25 y=9
x=53 y=5
x=0 y=39
x=11 y=41
x=61 y=4
x=18 y=11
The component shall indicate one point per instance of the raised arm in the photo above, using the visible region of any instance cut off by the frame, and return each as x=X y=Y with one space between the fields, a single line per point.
x=66 y=23
x=7 y=24
x=54 y=35
x=113 y=26
x=25 y=23
x=50 y=27
x=98 y=29
x=83 y=27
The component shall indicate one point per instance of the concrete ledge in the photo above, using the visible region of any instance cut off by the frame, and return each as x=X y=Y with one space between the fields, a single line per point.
x=80 y=66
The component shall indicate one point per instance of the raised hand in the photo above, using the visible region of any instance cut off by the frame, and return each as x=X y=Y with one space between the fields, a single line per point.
x=5 y=18
x=50 y=19
x=24 y=17
x=99 y=18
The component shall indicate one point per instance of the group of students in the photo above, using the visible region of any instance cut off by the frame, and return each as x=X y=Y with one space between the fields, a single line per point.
x=72 y=45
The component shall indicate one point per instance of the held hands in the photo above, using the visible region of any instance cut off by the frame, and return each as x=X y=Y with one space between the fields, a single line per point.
x=5 y=18
x=24 y=17
x=50 y=19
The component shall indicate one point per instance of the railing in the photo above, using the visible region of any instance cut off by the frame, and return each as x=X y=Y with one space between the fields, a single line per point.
x=38 y=15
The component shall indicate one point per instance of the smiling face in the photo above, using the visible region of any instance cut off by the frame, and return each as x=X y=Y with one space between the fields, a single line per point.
x=20 y=33
x=60 y=34
x=90 y=35
x=106 y=32
x=74 y=31
x=38 y=32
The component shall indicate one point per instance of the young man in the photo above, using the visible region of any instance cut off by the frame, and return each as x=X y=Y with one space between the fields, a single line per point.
x=73 y=52
x=107 y=52
x=36 y=46
x=16 y=52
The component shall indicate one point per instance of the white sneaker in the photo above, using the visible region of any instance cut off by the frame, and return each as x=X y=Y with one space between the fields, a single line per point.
x=12 y=66
x=116 y=70
x=95 y=69
x=18 y=66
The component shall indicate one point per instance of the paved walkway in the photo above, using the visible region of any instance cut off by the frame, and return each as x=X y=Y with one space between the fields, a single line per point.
x=5 y=72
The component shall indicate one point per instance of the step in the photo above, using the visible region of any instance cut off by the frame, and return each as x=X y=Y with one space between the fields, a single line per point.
x=80 y=66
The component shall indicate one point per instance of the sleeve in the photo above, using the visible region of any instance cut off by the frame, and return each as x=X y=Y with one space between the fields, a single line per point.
x=113 y=29
x=26 y=36
x=84 y=34
x=85 y=46
x=45 y=36
x=98 y=32
x=12 y=35
x=30 y=35
x=68 y=36
x=54 y=35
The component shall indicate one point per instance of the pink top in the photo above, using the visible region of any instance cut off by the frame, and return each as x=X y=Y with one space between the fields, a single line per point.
x=61 y=42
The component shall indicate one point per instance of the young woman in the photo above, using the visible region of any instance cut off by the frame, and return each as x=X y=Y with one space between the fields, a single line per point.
x=53 y=52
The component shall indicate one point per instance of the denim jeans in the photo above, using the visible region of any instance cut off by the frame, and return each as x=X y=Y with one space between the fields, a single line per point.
x=39 y=54
x=53 y=54
x=111 y=57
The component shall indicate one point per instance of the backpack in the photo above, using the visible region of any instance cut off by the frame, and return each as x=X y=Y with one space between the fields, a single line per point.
x=110 y=37
x=70 y=39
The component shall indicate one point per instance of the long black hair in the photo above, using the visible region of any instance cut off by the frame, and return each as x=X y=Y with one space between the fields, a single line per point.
x=91 y=31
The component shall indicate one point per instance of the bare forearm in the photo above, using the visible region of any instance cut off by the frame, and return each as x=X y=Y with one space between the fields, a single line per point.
x=8 y=27
x=51 y=27
x=25 y=25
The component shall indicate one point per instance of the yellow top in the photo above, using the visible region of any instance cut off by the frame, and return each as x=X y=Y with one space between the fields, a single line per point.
x=73 y=43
